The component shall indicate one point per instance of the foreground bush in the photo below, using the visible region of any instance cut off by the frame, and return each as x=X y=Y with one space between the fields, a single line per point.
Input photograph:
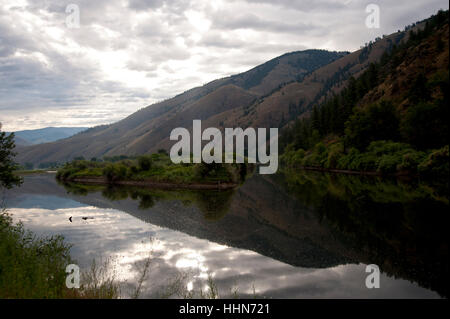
x=34 y=267
x=31 y=267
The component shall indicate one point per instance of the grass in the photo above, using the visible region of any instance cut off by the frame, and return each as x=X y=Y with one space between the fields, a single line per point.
x=33 y=171
x=97 y=283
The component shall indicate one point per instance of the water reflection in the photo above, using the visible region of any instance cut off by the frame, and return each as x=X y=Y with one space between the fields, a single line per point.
x=399 y=225
x=294 y=236
x=214 y=204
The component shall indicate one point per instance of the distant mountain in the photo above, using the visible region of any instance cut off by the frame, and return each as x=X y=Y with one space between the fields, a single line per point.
x=21 y=142
x=45 y=135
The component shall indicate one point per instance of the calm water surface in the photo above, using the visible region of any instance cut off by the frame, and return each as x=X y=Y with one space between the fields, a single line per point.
x=303 y=235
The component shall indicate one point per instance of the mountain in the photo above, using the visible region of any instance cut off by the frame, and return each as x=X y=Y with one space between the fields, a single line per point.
x=45 y=135
x=21 y=142
x=273 y=94
x=147 y=129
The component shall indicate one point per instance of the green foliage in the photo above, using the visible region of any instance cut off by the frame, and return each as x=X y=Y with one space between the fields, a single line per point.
x=384 y=157
x=31 y=267
x=349 y=160
x=388 y=164
x=115 y=171
x=426 y=124
x=336 y=151
x=80 y=168
x=7 y=165
x=436 y=164
x=156 y=167
x=145 y=162
x=212 y=170
x=376 y=122
x=410 y=161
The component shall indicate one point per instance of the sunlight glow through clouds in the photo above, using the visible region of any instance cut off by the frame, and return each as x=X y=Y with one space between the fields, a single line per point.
x=198 y=20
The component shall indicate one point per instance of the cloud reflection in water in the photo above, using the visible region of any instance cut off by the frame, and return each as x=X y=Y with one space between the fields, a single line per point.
x=128 y=241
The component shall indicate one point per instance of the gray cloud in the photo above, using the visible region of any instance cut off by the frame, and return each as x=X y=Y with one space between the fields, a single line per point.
x=251 y=21
x=306 y=6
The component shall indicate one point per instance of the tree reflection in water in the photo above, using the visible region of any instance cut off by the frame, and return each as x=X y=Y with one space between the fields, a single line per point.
x=214 y=204
x=399 y=225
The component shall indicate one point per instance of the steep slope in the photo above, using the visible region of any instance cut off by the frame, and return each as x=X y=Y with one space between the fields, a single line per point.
x=146 y=129
x=393 y=119
x=294 y=99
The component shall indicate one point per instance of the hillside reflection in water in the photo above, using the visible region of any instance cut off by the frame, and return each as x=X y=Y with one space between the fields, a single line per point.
x=304 y=235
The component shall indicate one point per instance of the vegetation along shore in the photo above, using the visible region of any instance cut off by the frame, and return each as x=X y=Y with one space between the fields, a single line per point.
x=155 y=170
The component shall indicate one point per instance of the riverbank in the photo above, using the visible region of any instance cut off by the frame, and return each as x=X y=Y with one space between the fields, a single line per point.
x=153 y=184
x=381 y=158
x=34 y=171
x=355 y=172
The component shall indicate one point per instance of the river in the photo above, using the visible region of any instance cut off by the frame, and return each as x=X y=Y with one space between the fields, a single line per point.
x=298 y=235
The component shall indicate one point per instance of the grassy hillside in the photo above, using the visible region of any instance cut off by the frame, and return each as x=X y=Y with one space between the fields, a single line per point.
x=392 y=119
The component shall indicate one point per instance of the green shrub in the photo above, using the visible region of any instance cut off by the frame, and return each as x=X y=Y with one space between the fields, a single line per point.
x=411 y=161
x=425 y=124
x=387 y=147
x=436 y=164
x=313 y=159
x=297 y=157
x=345 y=161
x=134 y=169
x=335 y=152
x=203 y=169
x=368 y=162
x=376 y=122
x=388 y=164
x=320 y=148
x=31 y=267
x=145 y=162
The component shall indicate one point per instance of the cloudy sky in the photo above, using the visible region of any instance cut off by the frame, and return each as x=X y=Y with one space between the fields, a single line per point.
x=127 y=54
